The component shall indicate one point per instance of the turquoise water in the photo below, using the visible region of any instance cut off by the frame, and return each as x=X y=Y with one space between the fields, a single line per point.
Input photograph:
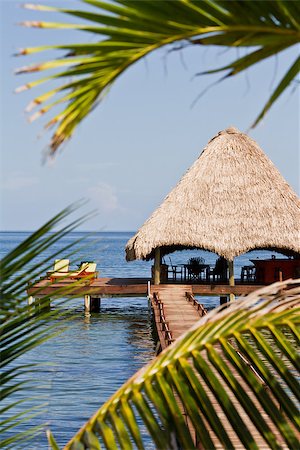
x=99 y=352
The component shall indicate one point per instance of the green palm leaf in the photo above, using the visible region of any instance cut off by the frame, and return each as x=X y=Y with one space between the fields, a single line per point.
x=234 y=376
x=22 y=328
x=131 y=30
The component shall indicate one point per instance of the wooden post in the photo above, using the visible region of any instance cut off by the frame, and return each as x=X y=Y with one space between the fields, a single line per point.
x=223 y=299
x=95 y=304
x=87 y=303
x=149 y=296
x=231 y=278
x=30 y=300
x=42 y=304
x=158 y=348
x=157 y=266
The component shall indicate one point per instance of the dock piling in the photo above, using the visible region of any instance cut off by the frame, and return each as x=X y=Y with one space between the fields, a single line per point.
x=30 y=300
x=87 y=303
x=223 y=299
x=40 y=304
x=231 y=279
x=95 y=304
x=92 y=304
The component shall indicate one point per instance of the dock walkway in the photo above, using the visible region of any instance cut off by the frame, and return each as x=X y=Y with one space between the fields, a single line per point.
x=175 y=311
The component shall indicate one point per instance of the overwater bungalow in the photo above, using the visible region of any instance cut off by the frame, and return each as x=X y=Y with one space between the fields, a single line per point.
x=231 y=201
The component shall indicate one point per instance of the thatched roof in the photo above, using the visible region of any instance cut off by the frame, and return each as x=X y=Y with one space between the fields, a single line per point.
x=232 y=200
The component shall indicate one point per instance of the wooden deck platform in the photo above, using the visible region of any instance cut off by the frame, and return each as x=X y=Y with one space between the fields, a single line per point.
x=99 y=287
x=126 y=287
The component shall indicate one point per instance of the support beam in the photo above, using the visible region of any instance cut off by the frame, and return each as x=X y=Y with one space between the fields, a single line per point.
x=42 y=304
x=158 y=348
x=231 y=278
x=30 y=300
x=92 y=304
x=87 y=303
x=95 y=304
x=223 y=299
x=157 y=263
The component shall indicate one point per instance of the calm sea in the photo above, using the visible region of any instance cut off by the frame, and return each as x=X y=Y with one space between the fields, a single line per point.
x=97 y=353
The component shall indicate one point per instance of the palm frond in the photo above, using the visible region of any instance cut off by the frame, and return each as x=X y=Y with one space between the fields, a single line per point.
x=22 y=328
x=132 y=29
x=234 y=377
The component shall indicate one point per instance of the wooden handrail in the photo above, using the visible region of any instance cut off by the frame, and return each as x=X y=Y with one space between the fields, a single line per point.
x=155 y=297
x=196 y=304
x=199 y=306
x=162 y=319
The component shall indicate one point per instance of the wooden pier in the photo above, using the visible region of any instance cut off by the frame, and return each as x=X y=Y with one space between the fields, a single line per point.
x=175 y=310
x=102 y=287
x=95 y=289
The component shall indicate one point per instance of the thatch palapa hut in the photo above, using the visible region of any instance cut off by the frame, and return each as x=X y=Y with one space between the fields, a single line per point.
x=232 y=200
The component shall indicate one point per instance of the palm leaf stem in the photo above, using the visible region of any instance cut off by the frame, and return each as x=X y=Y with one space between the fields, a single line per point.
x=133 y=30
x=283 y=84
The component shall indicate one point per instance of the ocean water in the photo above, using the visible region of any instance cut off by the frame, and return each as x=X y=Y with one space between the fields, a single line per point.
x=83 y=366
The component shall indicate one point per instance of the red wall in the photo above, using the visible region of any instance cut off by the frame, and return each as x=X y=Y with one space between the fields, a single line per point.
x=267 y=271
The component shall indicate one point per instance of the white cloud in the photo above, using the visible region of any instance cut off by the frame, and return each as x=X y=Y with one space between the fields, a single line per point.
x=104 y=197
x=18 y=181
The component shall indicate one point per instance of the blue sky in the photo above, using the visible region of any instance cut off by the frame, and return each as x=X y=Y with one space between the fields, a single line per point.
x=137 y=144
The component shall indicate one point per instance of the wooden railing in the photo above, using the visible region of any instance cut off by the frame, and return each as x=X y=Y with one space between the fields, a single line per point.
x=165 y=329
x=203 y=312
x=200 y=308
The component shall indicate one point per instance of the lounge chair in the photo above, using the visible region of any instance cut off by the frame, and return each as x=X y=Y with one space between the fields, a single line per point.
x=60 y=269
x=86 y=269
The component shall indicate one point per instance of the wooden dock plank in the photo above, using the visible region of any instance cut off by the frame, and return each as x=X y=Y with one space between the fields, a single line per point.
x=180 y=316
x=126 y=287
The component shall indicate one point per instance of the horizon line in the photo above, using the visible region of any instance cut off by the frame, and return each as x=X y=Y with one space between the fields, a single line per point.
x=75 y=231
